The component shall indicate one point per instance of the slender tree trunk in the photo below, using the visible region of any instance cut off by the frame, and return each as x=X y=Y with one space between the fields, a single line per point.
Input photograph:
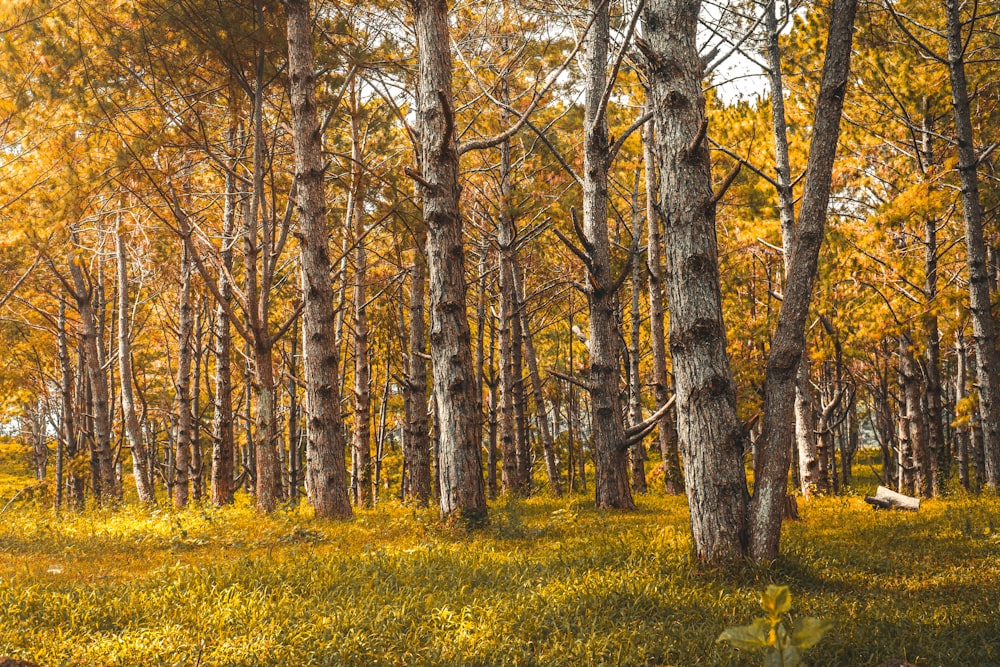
x=637 y=453
x=459 y=429
x=416 y=440
x=140 y=460
x=182 y=451
x=672 y=478
x=223 y=441
x=197 y=467
x=983 y=325
x=362 y=444
x=788 y=342
x=325 y=447
x=544 y=427
x=67 y=425
x=712 y=438
x=103 y=468
x=962 y=431
x=494 y=416
x=294 y=446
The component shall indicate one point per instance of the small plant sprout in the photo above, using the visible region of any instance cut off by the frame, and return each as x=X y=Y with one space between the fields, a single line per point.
x=784 y=648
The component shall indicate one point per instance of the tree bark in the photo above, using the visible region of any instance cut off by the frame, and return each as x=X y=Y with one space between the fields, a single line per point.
x=104 y=474
x=140 y=460
x=608 y=444
x=416 y=435
x=362 y=445
x=182 y=442
x=324 y=428
x=458 y=408
x=788 y=342
x=712 y=438
x=983 y=325
x=672 y=478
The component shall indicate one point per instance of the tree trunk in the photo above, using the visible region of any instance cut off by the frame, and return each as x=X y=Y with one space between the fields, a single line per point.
x=416 y=440
x=103 y=468
x=140 y=460
x=983 y=325
x=637 y=453
x=712 y=438
x=182 y=451
x=672 y=478
x=324 y=428
x=460 y=472
x=962 y=431
x=788 y=342
x=607 y=442
x=223 y=441
x=548 y=444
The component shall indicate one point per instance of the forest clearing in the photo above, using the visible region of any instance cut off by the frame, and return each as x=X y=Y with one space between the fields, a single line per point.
x=457 y=332
x=550 y=582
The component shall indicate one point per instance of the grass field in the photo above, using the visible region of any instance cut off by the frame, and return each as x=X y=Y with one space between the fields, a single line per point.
x=549 y=582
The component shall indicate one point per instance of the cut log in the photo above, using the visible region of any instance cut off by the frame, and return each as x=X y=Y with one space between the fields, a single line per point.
x=887 y=499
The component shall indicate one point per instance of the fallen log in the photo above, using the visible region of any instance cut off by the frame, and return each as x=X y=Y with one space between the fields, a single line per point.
x=886 y=499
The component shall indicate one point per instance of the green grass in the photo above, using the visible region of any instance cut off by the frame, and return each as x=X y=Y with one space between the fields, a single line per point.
x=548 y=582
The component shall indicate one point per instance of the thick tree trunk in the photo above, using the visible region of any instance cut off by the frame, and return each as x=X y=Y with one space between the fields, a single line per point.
x=672 y=478
x=458 y=408
x=608 y=443
x=788 y=342
x=104 y=474
x=140 y=460
x=182 y=443
x=712 y=438
x=983 y=325
x=324 y=428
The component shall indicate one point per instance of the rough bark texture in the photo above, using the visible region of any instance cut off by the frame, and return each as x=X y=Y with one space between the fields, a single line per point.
x=712 y=439
x=105 y=484
x=983 y=325
x=223 y=442
x=68 y=431
x=788 y=342
x=457 y=406
x=608 y=443
x=672 y=478
x=416 y=434
x=140 y=460
x=325 y=446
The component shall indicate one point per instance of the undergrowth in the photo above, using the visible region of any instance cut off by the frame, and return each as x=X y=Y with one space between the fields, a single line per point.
x=548 y=582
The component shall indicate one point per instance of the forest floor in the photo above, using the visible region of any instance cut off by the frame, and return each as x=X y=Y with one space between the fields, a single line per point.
x=549 y=582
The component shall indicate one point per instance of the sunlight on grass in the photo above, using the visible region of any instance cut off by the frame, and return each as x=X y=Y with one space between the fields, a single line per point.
x=549 y=582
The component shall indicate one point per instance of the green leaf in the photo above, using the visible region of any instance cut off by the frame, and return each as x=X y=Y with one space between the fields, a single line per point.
x=751 y=636
x=776 y=600
x=808 y=631
x=790 y=657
